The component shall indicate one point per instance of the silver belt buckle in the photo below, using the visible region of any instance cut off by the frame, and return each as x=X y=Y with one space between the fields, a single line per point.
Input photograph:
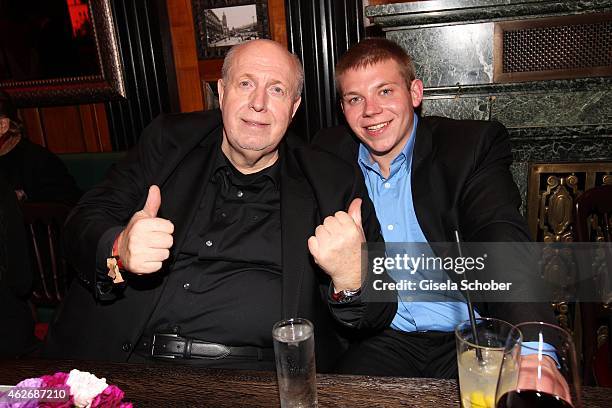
x=165 y=353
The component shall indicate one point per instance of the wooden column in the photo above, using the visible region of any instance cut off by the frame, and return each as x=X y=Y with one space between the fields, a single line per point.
x=185 y=57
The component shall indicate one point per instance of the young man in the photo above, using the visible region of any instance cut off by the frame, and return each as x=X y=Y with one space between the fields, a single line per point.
x=212 y=216
x=428 y=177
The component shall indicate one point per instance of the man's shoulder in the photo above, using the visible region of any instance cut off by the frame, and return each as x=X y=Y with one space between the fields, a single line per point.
x=442 y=128
x=181 y=130
x=318 y=159
x=338 y=140
x=452 y=138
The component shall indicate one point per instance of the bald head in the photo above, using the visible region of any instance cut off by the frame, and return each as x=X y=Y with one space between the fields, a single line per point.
x=258 y=96
x=265 y=47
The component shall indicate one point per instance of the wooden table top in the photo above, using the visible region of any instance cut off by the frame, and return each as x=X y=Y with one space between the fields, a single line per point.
x=172 y=385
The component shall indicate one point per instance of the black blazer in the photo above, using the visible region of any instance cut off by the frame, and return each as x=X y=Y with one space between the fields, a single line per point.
x=176 y=153
x=460 y=181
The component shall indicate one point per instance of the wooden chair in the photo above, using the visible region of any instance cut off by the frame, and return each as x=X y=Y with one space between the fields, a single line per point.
x=593 y=223
x=43 y=224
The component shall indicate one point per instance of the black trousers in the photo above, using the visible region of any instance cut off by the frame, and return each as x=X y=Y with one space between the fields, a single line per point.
x=403 y=354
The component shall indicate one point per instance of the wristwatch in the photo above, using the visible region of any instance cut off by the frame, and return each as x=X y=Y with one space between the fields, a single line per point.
x=346 y=295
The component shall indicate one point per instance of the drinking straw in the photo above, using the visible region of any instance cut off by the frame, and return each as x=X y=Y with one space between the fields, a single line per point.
x=470 y=307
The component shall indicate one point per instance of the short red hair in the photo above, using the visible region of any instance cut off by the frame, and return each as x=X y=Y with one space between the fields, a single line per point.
x=371 y=51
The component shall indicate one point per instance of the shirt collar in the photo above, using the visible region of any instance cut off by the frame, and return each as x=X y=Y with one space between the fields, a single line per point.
x=365 y=159
x=223 y=163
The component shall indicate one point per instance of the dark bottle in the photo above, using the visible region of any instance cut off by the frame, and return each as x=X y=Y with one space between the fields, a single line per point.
x=531 y=399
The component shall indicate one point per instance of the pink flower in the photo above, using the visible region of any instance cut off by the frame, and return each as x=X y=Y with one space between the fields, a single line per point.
x=85 y=389
x=4 y=403
x=57 y=404
x=23 y=403
x=111 y=397
x=7 y=402
x=31 y=383
x=55 y=380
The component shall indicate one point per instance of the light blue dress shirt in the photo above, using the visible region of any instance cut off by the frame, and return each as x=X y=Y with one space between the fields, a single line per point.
x=392 y=198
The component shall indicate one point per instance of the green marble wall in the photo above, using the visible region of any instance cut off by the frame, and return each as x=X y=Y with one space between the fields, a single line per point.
x=451 y=42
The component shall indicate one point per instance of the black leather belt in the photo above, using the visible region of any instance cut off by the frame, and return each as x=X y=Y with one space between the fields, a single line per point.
x=164 y=345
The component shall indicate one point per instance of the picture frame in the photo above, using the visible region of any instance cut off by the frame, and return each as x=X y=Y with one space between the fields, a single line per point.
x=48 y=76
x=220 y=24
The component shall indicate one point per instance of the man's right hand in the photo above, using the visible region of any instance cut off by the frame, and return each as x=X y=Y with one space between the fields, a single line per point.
x=146 y=241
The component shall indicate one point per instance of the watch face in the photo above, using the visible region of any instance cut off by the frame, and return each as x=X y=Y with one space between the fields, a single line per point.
x=345 y=296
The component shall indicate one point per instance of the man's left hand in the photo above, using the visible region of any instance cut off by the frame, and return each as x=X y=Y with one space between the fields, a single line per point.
x=336 y=247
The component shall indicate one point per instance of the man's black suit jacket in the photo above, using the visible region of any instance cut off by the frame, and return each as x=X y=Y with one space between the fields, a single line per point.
x=460 y=181
x=176 y=153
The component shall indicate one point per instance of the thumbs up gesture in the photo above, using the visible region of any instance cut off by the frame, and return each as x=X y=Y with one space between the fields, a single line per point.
x=336 y=247
x=146 y=241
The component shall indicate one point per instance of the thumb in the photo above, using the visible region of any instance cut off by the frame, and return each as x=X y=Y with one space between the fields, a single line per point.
x=313 y=247
x=354 y=211
x=153 y=202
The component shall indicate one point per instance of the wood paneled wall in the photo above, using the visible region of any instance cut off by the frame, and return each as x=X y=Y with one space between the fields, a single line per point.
x=180 y=19
x=68 y=129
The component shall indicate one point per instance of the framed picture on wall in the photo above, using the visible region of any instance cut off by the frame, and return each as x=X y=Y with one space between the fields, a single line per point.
x=220 y=24
x=56 y=52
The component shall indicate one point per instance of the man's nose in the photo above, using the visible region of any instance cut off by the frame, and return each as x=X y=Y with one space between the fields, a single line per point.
x=372 y=107
x=258 y=99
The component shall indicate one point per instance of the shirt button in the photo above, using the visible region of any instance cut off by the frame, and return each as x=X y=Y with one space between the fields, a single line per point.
x=127 y=346
x=390 y=227
x=208 y=243
x=239 y=193
x=186 y=286
x=387 y=185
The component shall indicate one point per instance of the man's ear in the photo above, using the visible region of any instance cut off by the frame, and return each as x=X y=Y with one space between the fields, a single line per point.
x=416 y=92
x=296 y=105
x=5 y=124
x=221 y=90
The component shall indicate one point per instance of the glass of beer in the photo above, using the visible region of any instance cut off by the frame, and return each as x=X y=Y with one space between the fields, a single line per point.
x=543 y=374
x=479 y=358
x=295 y=363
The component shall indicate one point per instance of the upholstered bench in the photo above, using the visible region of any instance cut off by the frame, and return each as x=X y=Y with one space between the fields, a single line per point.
x=88 y=169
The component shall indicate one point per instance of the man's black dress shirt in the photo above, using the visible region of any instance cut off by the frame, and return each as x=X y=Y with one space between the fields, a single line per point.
x=231 y=257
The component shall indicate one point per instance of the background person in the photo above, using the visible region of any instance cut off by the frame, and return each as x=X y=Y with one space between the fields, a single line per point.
x=17 y=330
x=34 y=172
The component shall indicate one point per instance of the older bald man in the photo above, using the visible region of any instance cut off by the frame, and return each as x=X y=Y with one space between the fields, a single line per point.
x=217 y=225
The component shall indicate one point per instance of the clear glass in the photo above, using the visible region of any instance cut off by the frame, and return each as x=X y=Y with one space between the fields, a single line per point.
x=295 y=363
x=479 y=361
x=544 y=374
